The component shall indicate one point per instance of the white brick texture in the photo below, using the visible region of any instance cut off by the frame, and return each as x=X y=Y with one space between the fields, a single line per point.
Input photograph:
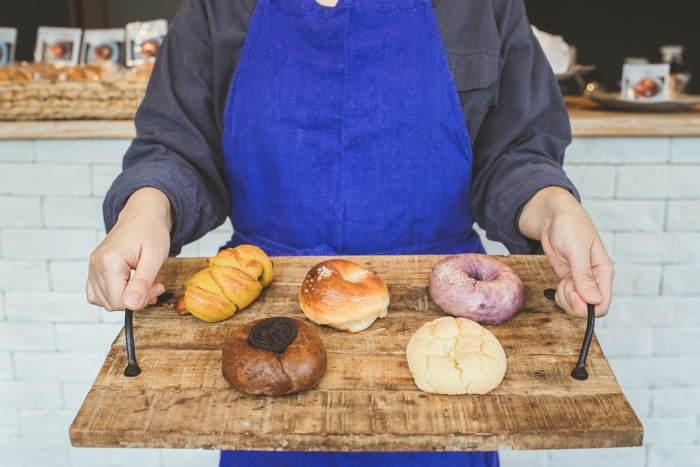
x=47 y=244
x=24 y=275
x=625 y=342
x=637 y=279
x=662 y=247
x=683 y=279
x=68 y=276
x=87 y=151
x=5 y=364
x=593 y=181
x=658 y=181
x=656 y=371
x=44 y=179
x=102 y=178
x=72 y=212
x=642 y=194
x=86 y=337
x=113 y=317
x=34 y=451
x=624 y=215
x=681 y=400
x=30 y=395
x=16 y=151
x=653 y=311
x=670 y=430
x=42 y=366
x=617 y=151
x=41 y=424
x=9 y=423
x=685 y=150
x=679 y=341
x=13 y=336
x=683 y=215
x=20 y=211
x=667 y=456
x=50 y=307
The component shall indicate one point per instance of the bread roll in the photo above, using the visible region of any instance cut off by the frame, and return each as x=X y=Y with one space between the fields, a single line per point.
x=234 y=278
x=455 y=356
x=343 y=295
x=477 y=287
x=274 y=357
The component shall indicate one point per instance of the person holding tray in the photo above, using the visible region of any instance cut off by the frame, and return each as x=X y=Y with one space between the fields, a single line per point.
x=356 y=127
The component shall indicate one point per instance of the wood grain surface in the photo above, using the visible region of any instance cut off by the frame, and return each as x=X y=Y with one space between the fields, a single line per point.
x=587 y=119
x=68 y=129
x=367 y=400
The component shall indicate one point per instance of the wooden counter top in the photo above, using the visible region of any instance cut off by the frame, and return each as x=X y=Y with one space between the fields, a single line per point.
x=68 y=129
x=587 y=119
x=590 y=119
x=367 y=399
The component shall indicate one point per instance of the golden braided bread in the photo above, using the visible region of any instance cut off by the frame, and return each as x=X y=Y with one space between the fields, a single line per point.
x=234 y=279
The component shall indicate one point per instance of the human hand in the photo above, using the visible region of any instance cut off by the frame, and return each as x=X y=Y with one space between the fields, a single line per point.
x=139 y=241
x=574 y=249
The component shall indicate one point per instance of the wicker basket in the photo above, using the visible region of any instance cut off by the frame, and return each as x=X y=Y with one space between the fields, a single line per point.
x=70 y=100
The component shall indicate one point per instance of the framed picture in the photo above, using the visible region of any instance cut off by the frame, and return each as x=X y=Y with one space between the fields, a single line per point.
x=645 y=82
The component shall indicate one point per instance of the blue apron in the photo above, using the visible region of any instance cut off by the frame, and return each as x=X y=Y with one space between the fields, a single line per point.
x=344 y=135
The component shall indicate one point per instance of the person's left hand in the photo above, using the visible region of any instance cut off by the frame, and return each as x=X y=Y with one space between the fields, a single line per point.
x=573 y=247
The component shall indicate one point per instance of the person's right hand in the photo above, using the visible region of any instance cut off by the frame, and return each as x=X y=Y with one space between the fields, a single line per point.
x=139 y=241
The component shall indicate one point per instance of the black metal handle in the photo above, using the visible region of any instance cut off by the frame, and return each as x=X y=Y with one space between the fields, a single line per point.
x=132 y=368
x=580 y=372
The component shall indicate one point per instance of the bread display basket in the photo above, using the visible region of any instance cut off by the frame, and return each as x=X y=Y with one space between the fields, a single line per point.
x=48 y=92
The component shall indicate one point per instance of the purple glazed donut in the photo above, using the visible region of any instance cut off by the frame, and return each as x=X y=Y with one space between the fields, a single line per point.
x=477 y=287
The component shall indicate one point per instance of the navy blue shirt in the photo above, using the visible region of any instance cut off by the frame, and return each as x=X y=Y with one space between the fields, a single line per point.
x=515 y=115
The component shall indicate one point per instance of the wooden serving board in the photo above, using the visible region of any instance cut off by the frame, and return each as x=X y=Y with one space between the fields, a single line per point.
x=367 y=400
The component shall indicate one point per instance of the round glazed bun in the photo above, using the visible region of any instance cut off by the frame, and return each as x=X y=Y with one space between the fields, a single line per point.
x=477 y=287
x=455 y=356
x=343 y=295
x=273 y=370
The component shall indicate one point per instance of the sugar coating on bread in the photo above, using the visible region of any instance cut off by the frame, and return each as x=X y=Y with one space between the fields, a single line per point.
x=455 y=356
x=478 y=287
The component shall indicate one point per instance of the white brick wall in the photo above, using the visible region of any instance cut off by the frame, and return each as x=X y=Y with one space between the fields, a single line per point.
x=642 y=193
x=644 y=196
x=52 y=342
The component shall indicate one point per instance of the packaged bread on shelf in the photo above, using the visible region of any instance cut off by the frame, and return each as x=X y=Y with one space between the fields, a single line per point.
x=46 y=91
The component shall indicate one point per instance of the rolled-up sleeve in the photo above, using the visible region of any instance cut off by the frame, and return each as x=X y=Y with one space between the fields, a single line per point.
x=178 y=144
x=519 y=146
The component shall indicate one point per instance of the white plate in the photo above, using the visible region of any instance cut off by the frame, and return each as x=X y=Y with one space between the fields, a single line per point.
x=612 y=100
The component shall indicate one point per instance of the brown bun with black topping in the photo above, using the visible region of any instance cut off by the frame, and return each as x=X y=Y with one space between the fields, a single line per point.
x=274 y=357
